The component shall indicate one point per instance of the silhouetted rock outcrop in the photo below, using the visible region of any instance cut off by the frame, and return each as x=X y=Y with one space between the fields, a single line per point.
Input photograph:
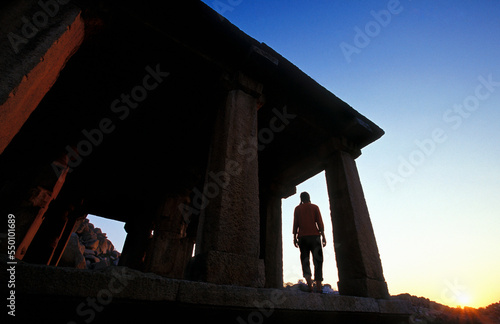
x=89 y=248
x=426 y=311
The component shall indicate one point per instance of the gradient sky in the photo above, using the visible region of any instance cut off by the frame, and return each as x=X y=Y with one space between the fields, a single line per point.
x=428 y=73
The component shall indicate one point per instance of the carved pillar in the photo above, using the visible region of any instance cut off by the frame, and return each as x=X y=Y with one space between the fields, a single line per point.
x=227 y=245
x=358 y=261
x=53 y=235
x=167 y=254
x=75 y=218
x=138 y=235
x=37 y=190
x=47 y=237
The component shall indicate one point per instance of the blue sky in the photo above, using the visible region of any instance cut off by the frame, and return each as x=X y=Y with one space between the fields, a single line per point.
x=428 y=73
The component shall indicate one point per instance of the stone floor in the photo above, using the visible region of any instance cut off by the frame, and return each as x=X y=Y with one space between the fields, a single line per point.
x=121 y=295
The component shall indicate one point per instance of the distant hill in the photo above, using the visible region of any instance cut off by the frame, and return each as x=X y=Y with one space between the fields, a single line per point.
x=427 y=311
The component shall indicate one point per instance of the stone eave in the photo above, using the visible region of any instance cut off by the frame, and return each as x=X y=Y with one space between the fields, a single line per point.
x=218 y=41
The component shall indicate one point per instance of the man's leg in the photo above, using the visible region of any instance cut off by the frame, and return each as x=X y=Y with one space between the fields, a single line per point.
x=318 y=263
x=304 y=260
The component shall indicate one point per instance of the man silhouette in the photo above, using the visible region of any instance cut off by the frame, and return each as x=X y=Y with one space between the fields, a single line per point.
x=307 y=229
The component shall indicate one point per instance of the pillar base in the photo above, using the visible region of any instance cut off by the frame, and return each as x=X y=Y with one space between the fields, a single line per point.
x=364 y=288
x=225 y=268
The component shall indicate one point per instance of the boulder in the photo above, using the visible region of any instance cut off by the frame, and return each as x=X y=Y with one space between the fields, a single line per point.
x=84 y=227
x=114 y=254
x=92 y=244
x=103 y=245
x=73 y=254
x=92 y=258
x=89 y=236
x=89 y=248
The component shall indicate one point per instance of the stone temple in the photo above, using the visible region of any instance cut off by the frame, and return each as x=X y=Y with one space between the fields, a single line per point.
x=165 y=116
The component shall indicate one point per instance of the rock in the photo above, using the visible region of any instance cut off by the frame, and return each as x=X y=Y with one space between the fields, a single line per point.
x=89 y=236
x=84 y=227
x=73 y=254
x=111 y=247
x=100 y=265
x=92 y=258
x=103 y=246
x=89 y=248
x=92 y=244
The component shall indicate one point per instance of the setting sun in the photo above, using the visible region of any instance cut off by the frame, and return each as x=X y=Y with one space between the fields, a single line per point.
x=464 y=300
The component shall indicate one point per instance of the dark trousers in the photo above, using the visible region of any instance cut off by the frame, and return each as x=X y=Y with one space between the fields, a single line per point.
x=308 y=245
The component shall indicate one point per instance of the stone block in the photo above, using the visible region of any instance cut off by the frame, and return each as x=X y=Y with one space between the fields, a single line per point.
x=229 y=268
x=364 y=288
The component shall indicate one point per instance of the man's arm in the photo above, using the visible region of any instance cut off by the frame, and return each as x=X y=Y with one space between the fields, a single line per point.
x=295 y=229
x=321 y=226
x=296 y=240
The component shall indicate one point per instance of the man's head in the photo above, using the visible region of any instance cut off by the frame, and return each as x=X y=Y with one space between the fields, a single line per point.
x=304 y=197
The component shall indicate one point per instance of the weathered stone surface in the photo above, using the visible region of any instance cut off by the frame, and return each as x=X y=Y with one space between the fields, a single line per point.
x=128 y=283
x=73 y=254
x=229 y=238
x=102 y=246
x=356 y=252
x=92 y=244
x=232 y=180
x=33 y=68
x=170 y=249
x=223 y=267
x=124 y=285
x=273 y=242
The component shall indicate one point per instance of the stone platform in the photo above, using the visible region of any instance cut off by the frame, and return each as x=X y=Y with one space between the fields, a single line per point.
x=121 y=295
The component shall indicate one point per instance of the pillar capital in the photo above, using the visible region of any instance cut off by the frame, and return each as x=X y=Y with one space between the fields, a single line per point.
x=240 y=81
x=281 y=190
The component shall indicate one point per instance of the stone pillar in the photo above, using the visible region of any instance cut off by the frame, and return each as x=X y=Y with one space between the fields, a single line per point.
x=271 y=231
x=358 y=260
x=75 y=218
x=36 y=192
x=167 y=254
x=273 y=243
x=227 y=246
x=138 y=235
x=53 y=235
